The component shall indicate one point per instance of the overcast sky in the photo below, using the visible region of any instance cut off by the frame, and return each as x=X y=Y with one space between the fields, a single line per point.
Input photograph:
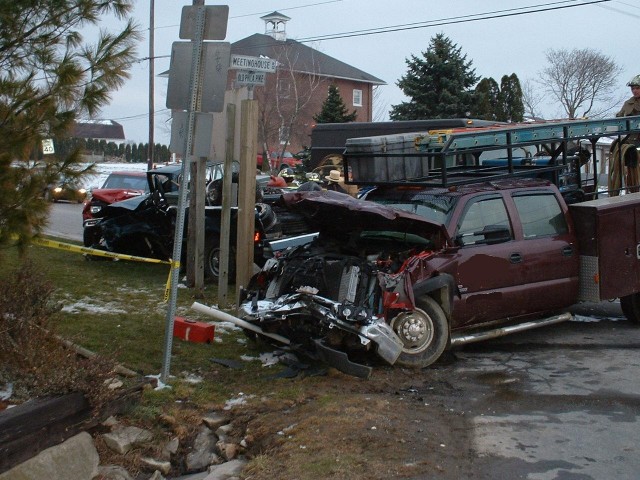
x=507 y=43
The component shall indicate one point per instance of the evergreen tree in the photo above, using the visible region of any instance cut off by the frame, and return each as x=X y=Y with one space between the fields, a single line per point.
x=49 y=78
x=334 y=110
x=510 y=99
x=438 y=84
x=487 y=93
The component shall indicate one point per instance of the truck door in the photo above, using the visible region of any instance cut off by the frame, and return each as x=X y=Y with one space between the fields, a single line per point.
x=490 y=271
x=550 y=258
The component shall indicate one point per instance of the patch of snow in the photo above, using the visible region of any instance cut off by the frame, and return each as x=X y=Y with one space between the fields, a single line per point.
x=87 y=304
x=241 y=399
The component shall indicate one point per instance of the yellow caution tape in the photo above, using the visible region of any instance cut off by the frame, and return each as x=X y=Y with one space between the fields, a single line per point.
x=95 y=252
x=69 y=247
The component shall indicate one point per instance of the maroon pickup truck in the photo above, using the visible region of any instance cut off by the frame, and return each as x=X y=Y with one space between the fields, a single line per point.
x=466 y=253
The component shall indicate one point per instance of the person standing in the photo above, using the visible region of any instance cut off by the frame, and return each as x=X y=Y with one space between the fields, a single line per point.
x=631 y=106
x=623 y=164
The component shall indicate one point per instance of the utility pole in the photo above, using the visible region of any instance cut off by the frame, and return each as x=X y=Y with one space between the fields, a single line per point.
x=150 y=152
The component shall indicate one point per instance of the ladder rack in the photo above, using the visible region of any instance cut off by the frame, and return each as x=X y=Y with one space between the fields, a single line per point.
x=452 y=157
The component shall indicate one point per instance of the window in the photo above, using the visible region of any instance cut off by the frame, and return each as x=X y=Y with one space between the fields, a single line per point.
x=481 y=217
x=283 y=134
x=540 y=215
x=284 y=88
x=357 y=98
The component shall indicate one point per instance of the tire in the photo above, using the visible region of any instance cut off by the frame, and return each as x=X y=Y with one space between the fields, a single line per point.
x=212 y=262
x=424 y=333
x=631 y=307
x=266 y=215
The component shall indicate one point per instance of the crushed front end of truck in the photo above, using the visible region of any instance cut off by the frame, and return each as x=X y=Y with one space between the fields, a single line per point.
x=335 y=297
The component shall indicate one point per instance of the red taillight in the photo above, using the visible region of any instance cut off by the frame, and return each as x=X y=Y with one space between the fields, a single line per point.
x=257 y=237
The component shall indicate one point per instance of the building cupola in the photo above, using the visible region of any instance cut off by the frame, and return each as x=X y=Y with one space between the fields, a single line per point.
x=275 y=25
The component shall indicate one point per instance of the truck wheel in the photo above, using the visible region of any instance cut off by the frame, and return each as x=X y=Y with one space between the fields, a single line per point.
x=631 y=307
x=424 y=333
x=266 y=215
x=212 y=261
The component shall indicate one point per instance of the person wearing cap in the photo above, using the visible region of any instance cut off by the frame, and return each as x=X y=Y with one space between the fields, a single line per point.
x=623 y=153
x=632 y=106
x=333 y=181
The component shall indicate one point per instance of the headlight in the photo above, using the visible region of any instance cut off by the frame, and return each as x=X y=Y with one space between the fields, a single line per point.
x=95 y=208
x=82 y=191
x=57 y=189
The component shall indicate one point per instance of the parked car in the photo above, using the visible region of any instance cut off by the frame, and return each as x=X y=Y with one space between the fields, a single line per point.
x=145 y=225
x=65 y=189
x=118 y=186
x=287 y=160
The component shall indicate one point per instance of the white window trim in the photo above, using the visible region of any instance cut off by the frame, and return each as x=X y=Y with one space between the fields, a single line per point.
x=357 y=97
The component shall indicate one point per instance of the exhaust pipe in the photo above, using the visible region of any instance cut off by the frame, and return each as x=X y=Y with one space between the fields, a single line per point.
x=501 y=332
x=225 y=317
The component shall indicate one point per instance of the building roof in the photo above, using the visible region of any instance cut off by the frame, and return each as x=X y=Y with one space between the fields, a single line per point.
x=307 y=59
x=102 y=129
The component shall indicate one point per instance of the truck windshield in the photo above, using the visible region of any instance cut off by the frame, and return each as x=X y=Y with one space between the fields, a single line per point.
x=436 y=208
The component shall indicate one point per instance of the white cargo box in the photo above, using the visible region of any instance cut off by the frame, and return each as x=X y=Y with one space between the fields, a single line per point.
x=375 y=168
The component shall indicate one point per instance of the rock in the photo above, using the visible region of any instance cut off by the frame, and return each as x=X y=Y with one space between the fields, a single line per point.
x=223 y=431
x=226 y=470
x=153 y=464
x=214 y=420
x=113 y=472
x=74 y=459
x=170 y=448
x=110 y=422
x=123 y=439
x=203 y=453
x=156 y=476
x=229 y=451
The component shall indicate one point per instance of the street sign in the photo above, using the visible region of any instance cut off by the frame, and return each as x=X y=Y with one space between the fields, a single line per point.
x=253 y=64
x=201 y=144
x=47 y=146
x=250 y=78
x=215 y=61
x=215 y=23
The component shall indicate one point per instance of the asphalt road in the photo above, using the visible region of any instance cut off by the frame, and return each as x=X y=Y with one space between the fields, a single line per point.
x=65 y=221
x=561 y=402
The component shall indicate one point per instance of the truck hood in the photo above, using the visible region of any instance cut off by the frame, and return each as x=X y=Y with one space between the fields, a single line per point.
x=338 y=214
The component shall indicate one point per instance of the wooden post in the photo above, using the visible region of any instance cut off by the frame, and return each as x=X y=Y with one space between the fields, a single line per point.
x=247 y=193
x=195 y=239
x=225 y=218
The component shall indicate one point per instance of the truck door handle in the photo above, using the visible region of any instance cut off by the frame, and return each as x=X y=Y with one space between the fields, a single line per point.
x=567 y=251
x=515 y=258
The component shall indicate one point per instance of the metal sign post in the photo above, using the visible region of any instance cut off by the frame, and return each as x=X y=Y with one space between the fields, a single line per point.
x=196 y=27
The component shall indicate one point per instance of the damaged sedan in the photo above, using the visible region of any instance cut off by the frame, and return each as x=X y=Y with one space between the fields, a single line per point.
x=350 y=292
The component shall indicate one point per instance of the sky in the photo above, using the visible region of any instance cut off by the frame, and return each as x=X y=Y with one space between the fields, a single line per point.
x=495 y=35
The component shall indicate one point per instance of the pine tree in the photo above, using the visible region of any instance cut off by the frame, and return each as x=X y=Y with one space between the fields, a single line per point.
x=49 y=78
x=438 y=84
x=486 y=95
x=334 y=110
x=510 y=99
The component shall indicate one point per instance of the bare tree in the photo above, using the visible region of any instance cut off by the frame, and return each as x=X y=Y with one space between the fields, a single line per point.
x=380 y=108
x=289 y=96
x=580 y=79
x=531 y=99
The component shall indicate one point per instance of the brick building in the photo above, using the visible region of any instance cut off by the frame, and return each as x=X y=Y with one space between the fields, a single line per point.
x=295 y=93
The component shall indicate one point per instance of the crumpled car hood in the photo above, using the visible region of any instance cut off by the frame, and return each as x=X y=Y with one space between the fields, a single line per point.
x=336 y=213
x=113 y=195
x=130 y=204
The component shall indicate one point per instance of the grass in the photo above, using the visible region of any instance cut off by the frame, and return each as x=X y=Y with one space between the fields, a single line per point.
x=117 y=308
